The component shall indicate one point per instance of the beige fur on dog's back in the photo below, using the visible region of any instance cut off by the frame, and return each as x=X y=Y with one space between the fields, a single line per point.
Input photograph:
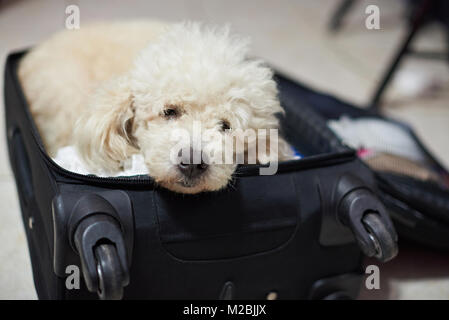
x=80 y=61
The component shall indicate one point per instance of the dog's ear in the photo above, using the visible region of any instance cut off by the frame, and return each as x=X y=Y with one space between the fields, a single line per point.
x=104 y=133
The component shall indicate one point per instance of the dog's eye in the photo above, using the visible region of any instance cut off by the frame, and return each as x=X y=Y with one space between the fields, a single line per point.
x=171 y=113
x=224 y=125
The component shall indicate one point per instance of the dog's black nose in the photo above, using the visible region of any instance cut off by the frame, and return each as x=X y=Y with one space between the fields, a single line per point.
x=189 y=168
x=192 y=170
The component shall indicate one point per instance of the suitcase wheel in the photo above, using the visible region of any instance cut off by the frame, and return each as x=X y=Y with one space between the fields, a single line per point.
x=363 y=212
x=385 y=245
x=96 y=234
x=110 y=277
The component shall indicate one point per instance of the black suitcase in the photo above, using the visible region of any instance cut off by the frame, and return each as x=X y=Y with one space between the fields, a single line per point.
x=298 y=234
x=419 y=209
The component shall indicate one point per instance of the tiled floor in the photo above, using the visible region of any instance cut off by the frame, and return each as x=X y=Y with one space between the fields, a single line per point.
x=292 y=36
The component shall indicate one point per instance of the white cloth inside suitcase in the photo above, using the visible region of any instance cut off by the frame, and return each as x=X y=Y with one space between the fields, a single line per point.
x=377 y=134
x=69 y=159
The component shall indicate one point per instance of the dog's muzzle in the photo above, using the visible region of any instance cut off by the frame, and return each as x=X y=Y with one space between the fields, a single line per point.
x=191 y=169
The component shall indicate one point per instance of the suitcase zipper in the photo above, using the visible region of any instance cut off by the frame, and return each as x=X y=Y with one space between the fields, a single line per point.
x=241 y=171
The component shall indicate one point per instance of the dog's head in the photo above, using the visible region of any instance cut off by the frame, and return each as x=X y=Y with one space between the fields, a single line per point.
x=192 y=79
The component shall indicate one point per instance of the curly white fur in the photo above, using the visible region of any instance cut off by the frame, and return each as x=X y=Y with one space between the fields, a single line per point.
x=105 y=87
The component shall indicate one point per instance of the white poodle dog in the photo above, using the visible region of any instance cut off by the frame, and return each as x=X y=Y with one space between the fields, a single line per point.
x=119 y=89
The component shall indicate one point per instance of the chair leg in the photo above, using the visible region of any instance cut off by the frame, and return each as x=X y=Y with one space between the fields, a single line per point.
x=416 y=25
x=339 y=14
x=447 y=43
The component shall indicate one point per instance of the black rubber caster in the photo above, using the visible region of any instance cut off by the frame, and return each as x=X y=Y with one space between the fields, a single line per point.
x=98 y=238
x=384 y=243
x=339 y=295
x=109 y=270
x=362 y=211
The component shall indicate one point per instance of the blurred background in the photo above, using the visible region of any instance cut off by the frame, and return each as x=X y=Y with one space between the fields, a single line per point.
x=306 y=39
